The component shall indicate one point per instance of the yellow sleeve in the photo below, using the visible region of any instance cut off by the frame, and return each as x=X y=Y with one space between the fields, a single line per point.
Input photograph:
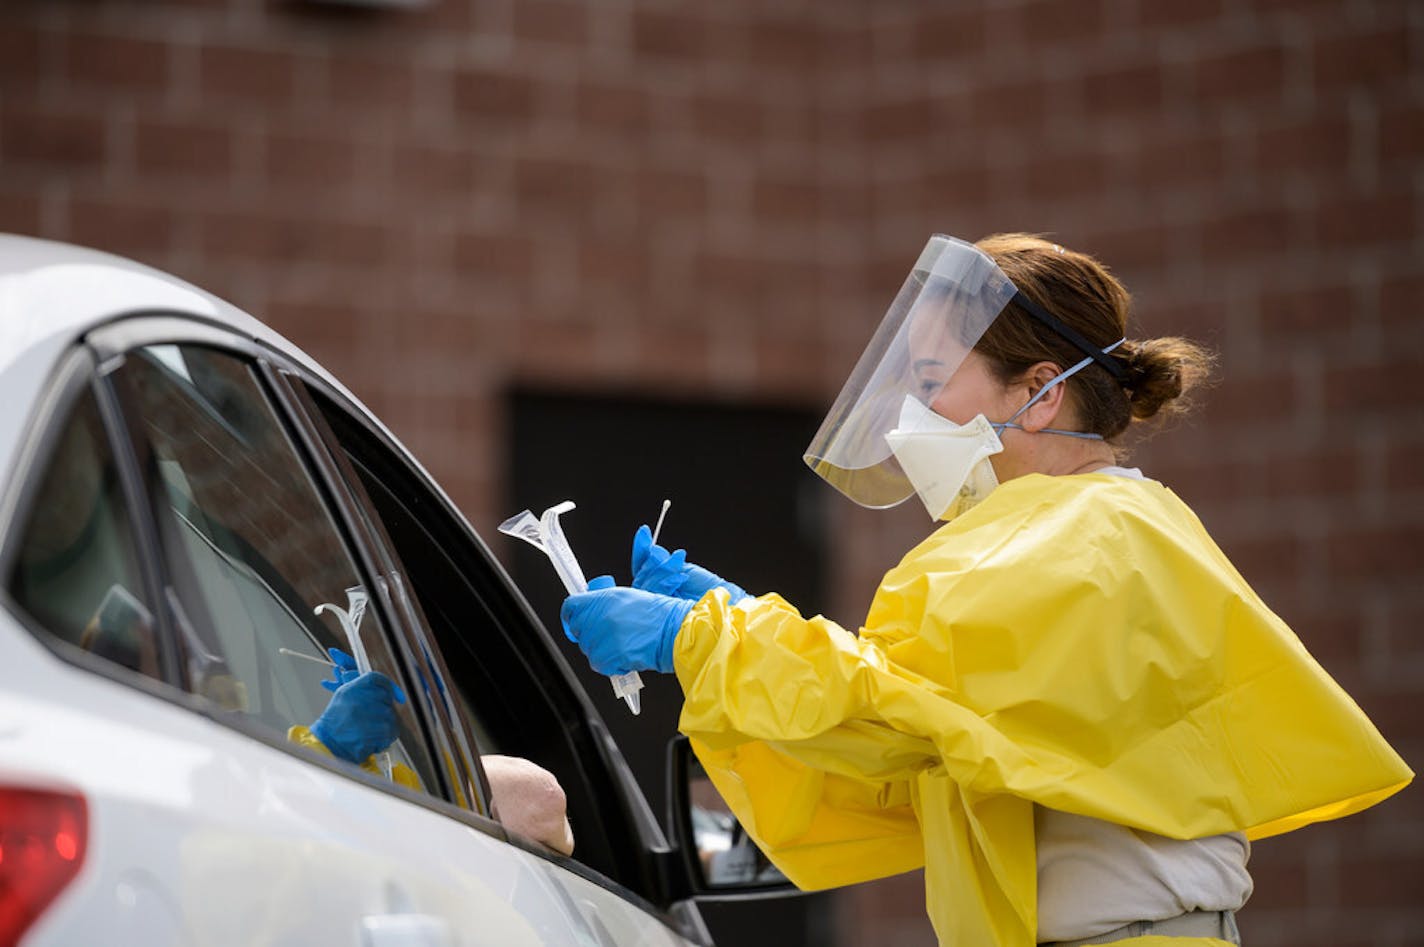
x=400 y=773
x=780 y=716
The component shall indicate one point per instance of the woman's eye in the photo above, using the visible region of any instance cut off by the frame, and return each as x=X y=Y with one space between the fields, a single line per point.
x=928 y=388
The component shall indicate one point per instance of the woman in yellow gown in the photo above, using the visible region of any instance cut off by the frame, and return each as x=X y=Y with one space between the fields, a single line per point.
x=1065 y=704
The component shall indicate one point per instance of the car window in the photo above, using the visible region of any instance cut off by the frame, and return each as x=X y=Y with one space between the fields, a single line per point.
x=77 y=568
x=515 y=696
x=264 y=582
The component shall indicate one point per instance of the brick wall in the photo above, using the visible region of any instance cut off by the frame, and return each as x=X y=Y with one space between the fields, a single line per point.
x=720 y=200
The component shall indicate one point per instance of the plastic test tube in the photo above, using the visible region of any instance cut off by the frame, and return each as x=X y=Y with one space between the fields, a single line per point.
x=547 y=535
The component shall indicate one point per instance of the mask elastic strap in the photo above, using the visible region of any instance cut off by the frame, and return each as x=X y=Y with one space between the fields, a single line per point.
x=1074 y=337
x=1061 y=376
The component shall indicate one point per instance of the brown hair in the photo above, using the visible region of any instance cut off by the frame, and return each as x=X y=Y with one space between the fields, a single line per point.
x=1079 y=291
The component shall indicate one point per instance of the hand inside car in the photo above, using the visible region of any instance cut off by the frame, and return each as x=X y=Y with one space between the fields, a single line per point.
x=361 y=717
x=529 y=800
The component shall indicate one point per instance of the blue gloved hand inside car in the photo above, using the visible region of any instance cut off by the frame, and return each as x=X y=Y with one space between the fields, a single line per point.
x=361 y=717
x=657 y=570
x=621 y=629
x=343 y=669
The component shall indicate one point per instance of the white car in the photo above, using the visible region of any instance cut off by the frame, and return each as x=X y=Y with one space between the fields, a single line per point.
x=192 y=511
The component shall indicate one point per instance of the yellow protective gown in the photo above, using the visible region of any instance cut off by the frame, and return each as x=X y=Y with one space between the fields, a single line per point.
x=1072 y=642
x=400 y=773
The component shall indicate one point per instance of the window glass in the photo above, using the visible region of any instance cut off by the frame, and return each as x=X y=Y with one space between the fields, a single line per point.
x=513 y=695
x=263 y=580
x=77 y=570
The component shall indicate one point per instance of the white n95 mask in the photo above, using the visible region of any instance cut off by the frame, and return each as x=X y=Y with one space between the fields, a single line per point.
x=947 y=463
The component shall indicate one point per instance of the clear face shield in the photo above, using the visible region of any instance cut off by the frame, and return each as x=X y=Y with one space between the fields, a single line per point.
x=952 y=295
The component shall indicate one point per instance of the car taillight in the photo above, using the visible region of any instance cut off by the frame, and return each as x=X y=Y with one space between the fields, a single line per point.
x=42 y=838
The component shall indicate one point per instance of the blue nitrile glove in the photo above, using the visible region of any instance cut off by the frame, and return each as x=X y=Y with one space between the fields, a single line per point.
x=622 y=629
x=657 y=570
x=343 y=669
x=361 y=717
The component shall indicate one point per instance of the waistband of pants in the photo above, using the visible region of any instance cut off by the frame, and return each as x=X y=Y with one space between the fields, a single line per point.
x=1219 y=924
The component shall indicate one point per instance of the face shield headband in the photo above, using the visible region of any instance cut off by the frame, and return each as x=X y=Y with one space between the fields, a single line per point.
x=953 y=294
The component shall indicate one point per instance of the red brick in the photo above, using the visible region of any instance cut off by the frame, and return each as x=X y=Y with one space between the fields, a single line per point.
x=1281 y=885
x=783 y=43
x=126 y=228
x=19 y=213
x=1160 y=14
x=620 y=264
x=785 y=199
x=1373 y=387
x=1058 y=177
x=1044 y=22
x=1262 y=397
x=1381 y=882
x=1134 y=88
x=621 y=109
x=1266 y=559
x=1369 y=59
x=668 y=35
x=23 y=49
x=166 y=148
x=552 y=21
x=309 y=160
x=1403 y=619
x=448 y=173
x=1249 y=232
x=56 y=140
x=1404 y=467
x=1379 y=554
x=288 y=239
x=1402 y=303
x=1320 y=475
x=554 y=185
x=949 y=34
x=1180 y=160
x=1140 y=245
x=118 y=62
x=369 y=82
x=843 y=48
x=496 y=96
x=667 y=191
x=1352 y=222
x=1307 y=315
x=1247 y=75
x=908 y=118
x=253 y=74
x=1017 y=103
x=507 y=257
x=732 y=118
x=1401 y=136
x=1317 y=147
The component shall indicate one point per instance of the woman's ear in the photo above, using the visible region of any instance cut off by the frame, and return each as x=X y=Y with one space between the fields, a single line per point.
x=1043 y=412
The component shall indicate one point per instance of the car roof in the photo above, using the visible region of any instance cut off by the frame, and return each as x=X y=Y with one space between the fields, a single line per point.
x=52 y=293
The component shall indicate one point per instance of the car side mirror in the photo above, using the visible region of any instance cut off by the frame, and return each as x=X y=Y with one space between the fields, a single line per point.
x=720 y=859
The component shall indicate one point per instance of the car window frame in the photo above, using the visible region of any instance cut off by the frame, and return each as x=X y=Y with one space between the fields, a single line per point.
x=654 y=851
x=77 y=372
x=407 y=631
x=109 y=344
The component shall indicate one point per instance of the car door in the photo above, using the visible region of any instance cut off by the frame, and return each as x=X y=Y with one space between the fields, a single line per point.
x=205 y=806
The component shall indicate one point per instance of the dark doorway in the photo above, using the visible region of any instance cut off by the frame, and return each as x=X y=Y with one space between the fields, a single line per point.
x=743 y=505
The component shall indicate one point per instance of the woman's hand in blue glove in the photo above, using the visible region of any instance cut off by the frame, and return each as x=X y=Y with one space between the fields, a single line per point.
x=361 y=717
x=622 y=629
x=657 y=570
